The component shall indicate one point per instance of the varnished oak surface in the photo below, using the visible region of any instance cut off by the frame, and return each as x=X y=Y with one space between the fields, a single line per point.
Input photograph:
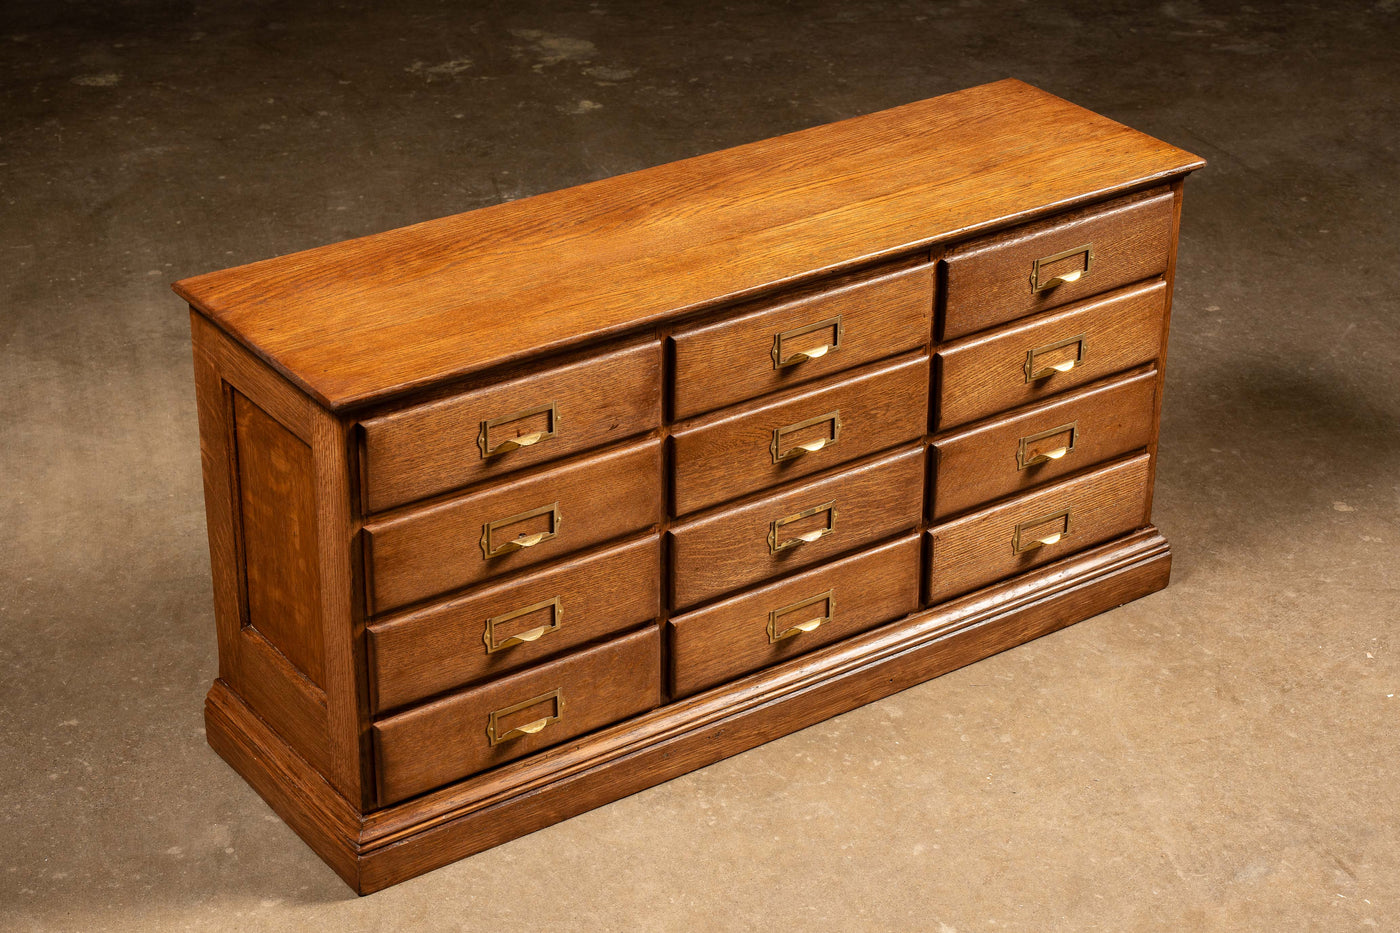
x=344 y=393
x=442 y=646
x=979 y=464
x=381 y=848
x=371 y=318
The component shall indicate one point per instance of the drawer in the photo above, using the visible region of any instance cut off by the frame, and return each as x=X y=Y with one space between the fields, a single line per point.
x=785 y=619
x=520 y=523
x=799 y=433
x=457 y=736
x=720 y=553
x=1036 y=528
x=515 y=623
x=801 y=339
x=1008 y=275
x=1030 y=447
x=1018 y=365
x=431 y=448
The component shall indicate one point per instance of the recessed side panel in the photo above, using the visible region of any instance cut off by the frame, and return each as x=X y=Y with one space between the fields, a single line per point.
x=276 y=501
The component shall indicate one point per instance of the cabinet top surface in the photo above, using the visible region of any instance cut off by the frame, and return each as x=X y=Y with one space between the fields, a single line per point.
x=367 y=319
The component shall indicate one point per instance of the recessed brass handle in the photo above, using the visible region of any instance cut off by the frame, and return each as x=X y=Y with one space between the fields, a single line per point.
x=490 y=547
x=777 y=543
x=490 y=449
x=781 y=454
x=1036 y=368
x=781 y=359
x=778 y=632
x=1028 y=454
x=1064 y=278
x=530 y=728
x=556 y=619
x=1041 y=532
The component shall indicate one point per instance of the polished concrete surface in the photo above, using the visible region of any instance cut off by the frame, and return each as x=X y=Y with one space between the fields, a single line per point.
x=1219 y=756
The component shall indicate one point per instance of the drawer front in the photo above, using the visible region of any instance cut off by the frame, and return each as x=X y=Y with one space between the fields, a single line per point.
x=1011 y=454
x=1036 y=528
x=459 y=735
x=511 y=526
x=801 y=339
x=800 y=433
x=510 y=625
x=817 y=521
x=795 y=615
x=1045 y=356
x=1008 y=275
x=456 y=441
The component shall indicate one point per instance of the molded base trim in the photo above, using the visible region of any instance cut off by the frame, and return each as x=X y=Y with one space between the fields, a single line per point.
x=379 y=849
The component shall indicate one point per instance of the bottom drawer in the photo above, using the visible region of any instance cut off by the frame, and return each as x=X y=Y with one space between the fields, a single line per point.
x=467 y=732
x=783 y=619
x=1036 y=528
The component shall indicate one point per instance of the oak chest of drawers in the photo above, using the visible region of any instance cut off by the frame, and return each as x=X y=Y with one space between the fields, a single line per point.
x=519 y=511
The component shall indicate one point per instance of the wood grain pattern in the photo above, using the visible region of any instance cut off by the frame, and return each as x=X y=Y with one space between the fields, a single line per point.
x=421 y=451
x=719 y=553
x=277 y=503
x=880 y=314
x=731 y=454
x=296 y=791
x=987 y=281
x=730 y=638
x=1178 y=191
x=371 y=318
x=976 y=465
x=444 y=740
x=280 y=692
x=398 y=842
x=457 y=821
x=442 y=646
x=432 y=550
x=342 y=391
x=977 y=549
x=985 y=374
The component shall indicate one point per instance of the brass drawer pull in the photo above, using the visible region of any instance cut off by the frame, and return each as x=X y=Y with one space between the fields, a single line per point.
x=491 y=548
x=1041 y=532
x=1024 y=456
x=1037 y=286
x=530 y=728
x=483 y=440
x=811 y=447
x=1036 y=369
x=810 y=625
x=837 y=333
x=775 y=545
x=556 y=619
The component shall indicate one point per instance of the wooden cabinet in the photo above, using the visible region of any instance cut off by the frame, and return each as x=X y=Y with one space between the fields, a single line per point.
x=517 y=512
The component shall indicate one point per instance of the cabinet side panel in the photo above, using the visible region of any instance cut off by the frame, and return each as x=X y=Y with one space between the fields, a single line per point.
x=1178 y=190
x=277 y=505
x=260 y=506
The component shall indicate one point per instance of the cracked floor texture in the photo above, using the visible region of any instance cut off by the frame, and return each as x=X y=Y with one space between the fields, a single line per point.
x=1219 y=756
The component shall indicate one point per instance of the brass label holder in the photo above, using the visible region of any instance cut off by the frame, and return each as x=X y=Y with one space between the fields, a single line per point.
x=1028 y=536
x=483 y=439
x=780 y=455
x=1034 y=371
x=495 y=737
x=491 y=548
x=556 y=619
x=1027 y=444
x=809 y=625
x=1037 y=286
x=781 y=361
x=776 y=526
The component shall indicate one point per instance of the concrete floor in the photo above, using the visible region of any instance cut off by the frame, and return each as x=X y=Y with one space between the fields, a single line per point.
x=1220 y=756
